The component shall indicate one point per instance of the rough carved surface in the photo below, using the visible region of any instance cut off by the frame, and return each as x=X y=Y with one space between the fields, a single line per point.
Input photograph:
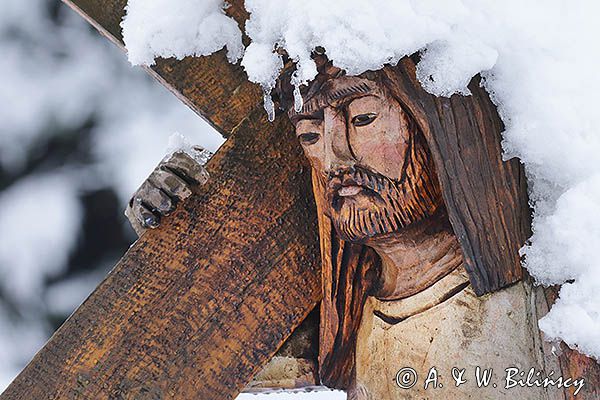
x=381 y=148
x=486 y=197
x=392 y=248
x=196 y=307
x=444 y=328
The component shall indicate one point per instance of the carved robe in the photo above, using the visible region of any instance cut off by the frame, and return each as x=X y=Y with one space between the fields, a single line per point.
x=448 y=326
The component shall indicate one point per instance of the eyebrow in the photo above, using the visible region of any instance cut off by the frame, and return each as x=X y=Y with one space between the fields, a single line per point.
x=315 y=115
x=346 y=100
x=360 y=88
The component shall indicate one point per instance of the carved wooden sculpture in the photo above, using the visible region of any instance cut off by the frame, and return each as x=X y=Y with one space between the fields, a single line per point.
x=420 y=222
x=398 y=290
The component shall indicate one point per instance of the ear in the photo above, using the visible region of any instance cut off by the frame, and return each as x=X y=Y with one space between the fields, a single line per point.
x=486 y=197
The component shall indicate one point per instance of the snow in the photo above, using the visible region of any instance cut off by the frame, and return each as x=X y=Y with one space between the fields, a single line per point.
x=180 y=143
x=18 y=343
x=568 y=238
x=31 y=251
x=30 y=211
x=201 y=29
x=538 y=63
x=296 y=395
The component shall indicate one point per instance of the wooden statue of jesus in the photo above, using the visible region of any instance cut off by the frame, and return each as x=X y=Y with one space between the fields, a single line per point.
x=412 y=285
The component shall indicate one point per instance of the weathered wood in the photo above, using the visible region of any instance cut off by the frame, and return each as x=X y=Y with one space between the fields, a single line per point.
x=486 y=197
x=487 y=205
x=198 y=306
x=215 y=89
x=445 y=328
x=295 y=364
x=428 y=303
x=393 y=168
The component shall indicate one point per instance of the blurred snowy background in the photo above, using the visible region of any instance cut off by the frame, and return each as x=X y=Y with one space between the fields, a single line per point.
x=79 y=131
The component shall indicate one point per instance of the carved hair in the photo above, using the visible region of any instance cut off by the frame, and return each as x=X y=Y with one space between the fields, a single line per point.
x=462 y=136
x=351 y=270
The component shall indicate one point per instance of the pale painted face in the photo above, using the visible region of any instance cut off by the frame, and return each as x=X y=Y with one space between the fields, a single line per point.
x=362 y=147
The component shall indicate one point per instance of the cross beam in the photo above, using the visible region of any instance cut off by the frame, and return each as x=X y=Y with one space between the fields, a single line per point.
x=197 y=307
x=217 y=90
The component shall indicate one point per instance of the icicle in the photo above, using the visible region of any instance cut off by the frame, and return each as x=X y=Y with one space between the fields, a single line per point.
x=298 y=101
x=269 y=106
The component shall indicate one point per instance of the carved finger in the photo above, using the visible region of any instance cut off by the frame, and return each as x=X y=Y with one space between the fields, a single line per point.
x=187 y=168
x=147 y=206
x=142 y=214
x=158 y=200
x=170 y=183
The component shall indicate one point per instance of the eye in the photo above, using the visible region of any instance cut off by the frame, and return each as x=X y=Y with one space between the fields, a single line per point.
x=363 y=119
x=309 y=138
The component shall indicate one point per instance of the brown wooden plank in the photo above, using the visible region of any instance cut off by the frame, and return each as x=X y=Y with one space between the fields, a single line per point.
x=198 y=306
x=211 y=86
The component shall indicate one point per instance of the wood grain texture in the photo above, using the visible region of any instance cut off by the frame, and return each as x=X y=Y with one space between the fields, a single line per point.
x=215 y=89
x=486 y=197
x=348 y=273
x=198 y=306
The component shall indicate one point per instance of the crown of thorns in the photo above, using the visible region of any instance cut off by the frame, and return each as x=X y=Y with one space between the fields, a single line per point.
x=283 y=93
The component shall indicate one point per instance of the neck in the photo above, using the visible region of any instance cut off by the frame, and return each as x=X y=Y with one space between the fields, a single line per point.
x=416 y=257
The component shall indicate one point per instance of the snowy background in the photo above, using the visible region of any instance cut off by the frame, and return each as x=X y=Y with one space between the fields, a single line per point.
x=80 y=128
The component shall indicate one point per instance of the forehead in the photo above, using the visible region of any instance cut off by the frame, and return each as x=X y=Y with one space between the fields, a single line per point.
x=333 y=93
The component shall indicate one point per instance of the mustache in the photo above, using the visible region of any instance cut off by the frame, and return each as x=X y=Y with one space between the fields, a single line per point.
x=358 y=175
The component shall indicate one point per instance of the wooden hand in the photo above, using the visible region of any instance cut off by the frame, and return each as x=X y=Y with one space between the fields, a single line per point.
x=169 y=184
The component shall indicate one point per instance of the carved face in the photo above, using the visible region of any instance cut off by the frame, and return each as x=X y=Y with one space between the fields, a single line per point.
x=369 y=157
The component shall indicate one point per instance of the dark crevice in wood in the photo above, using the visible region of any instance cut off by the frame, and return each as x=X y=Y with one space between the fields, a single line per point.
x=393 y=320
x=181 y=175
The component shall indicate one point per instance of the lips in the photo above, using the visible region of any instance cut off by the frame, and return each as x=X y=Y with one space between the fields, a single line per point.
x=345 y=183
x=344 y=186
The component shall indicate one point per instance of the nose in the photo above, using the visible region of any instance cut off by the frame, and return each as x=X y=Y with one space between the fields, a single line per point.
x=338 y=153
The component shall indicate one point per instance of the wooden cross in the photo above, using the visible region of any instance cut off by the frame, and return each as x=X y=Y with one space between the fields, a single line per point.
x=196 y=308
x=196 y=316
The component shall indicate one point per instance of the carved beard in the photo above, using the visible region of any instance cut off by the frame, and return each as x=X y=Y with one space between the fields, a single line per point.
x=385 y=205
